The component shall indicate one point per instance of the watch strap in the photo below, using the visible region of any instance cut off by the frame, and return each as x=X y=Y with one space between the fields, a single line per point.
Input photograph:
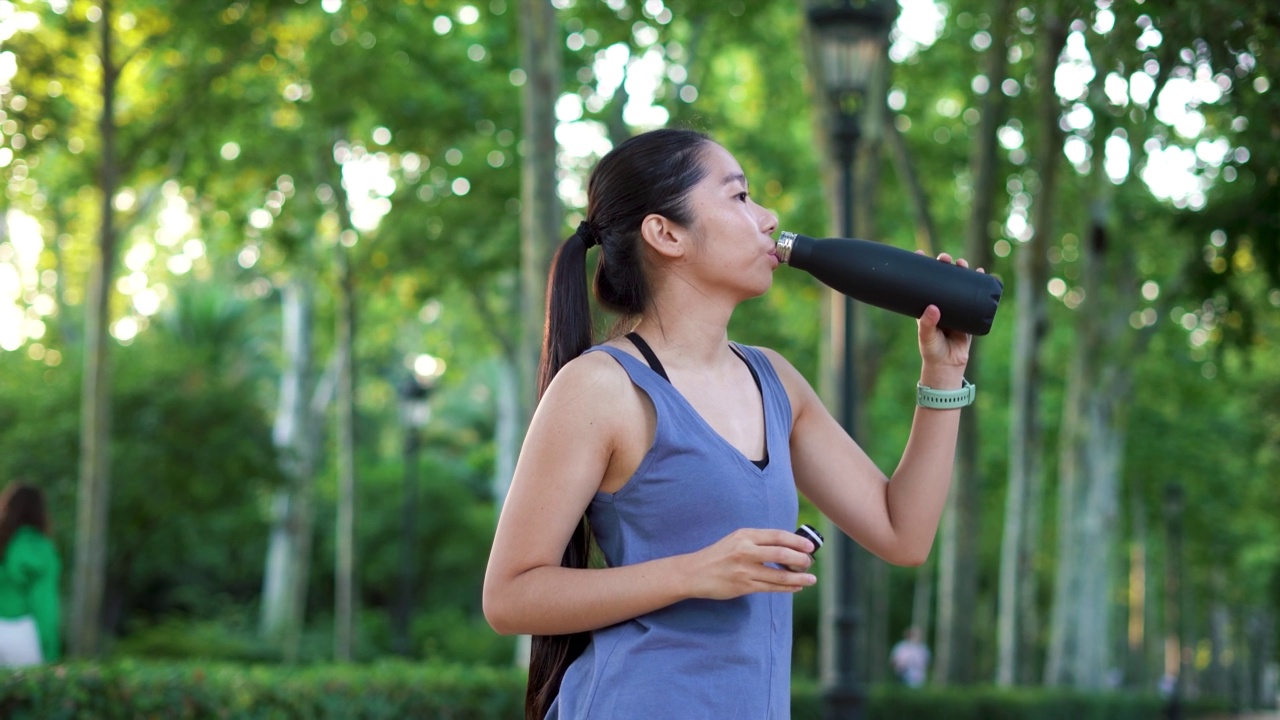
x=927 y=397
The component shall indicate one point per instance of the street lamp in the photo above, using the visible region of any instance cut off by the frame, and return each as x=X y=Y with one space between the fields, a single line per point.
x=851 y=44
x=414 y=395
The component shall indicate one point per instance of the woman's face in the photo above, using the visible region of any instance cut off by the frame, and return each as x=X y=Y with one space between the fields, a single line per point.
x=734 y=247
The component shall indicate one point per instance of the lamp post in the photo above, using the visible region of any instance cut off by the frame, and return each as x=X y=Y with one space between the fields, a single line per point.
x=414 y=395
x=851 y=44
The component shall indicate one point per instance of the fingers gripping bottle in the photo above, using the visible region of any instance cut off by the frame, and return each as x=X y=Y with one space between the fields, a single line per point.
x=898 y=280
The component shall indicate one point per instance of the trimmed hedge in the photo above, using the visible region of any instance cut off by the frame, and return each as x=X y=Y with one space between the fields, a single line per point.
x=135 y=690
x=196 y=691
x=984 y=702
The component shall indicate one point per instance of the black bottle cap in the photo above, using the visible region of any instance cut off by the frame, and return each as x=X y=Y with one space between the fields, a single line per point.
x=807 y=531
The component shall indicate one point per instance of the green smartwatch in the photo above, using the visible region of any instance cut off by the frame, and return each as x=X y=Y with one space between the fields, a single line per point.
x=927 y=397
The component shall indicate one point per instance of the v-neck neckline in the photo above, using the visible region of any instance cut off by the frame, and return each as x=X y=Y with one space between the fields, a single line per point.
x=764 y=412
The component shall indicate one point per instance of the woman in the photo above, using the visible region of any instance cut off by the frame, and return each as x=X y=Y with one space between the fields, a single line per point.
x=29 y=570
x=685 y=453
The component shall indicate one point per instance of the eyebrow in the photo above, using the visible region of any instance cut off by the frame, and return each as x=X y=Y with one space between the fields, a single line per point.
x=739 y=177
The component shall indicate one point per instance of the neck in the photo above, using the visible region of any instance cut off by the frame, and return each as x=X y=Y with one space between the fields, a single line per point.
x=686 y=326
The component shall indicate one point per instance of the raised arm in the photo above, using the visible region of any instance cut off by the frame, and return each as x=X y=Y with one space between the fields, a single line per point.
x=587 y=430
x=895 y=518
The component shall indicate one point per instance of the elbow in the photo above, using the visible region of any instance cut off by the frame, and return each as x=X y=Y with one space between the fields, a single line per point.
x=912 y=560
x=495 y=612
x=909 y=557
x=504 y=608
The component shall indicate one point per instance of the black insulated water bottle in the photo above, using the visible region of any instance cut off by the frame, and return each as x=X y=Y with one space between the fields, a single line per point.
x=895 y=279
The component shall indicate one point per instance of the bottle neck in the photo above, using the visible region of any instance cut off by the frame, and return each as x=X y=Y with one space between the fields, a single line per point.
x=786 y=241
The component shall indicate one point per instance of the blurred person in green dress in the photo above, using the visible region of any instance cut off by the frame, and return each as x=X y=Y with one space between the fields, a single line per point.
x=29 y=571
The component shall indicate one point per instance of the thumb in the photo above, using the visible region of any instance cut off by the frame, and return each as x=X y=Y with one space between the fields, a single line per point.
x=929 y=320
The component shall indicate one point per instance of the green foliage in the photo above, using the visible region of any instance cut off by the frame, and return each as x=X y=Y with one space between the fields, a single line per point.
x=191 y=461
x=182 y=639
x=400 y=690
x=989 y=703
x=191 y=691
x=449 y=635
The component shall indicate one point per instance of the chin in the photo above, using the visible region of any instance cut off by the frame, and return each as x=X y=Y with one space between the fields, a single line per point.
x=759 y=290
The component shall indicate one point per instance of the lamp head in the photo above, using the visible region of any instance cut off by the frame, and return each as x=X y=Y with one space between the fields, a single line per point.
x=415 y=410
x=851 y=42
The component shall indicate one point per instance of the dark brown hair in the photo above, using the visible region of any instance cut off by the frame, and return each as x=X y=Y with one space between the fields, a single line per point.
x=21 y=505
x=651 y=173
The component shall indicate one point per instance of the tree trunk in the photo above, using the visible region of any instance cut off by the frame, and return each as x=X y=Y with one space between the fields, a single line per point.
x=1091 y=447
x=1136 y=627
x=93 y=496
x=1174 y=637
x=295 y=438
x=507 y=430
x=541 y=213
x=344 y=575
x=1102 y=446
x=507 y=439
x=346 y=597
x=1016 y=612
x=345 y=609
x=958 y=556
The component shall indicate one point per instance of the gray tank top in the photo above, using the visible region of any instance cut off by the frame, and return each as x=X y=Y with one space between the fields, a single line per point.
x=712 y=659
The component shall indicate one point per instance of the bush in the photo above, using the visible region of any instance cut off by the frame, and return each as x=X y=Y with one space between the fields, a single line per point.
x=991 y=703
x=195 y=691
x=450 y=633
x=203 y=641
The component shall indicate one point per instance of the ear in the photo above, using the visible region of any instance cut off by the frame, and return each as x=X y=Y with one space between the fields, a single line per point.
x=666 y=237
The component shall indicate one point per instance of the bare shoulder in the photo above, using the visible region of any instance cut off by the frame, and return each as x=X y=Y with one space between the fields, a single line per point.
x=587 y=387
x=798 y=388
x=787 y=372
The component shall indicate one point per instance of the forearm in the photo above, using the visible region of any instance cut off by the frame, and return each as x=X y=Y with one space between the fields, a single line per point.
x=917 y=491
x=558 y=600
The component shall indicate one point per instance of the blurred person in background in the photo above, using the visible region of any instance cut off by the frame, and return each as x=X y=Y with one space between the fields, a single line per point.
x=29 y=572
x=910 y=658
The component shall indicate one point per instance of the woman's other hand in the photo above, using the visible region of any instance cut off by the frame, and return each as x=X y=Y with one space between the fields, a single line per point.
x=737 y=564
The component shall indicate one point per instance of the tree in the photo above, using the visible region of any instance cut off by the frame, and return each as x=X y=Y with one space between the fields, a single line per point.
x=957 y=554
x=1017 y=613
x=95 y=436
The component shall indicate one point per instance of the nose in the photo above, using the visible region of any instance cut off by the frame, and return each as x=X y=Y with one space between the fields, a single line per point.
x=768 y=221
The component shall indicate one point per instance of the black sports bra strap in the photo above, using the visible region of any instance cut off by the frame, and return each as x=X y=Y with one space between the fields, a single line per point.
x=647 y=352
x=754 y=375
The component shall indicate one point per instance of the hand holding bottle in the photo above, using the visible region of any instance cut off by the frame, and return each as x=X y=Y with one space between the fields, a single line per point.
x=941 y=348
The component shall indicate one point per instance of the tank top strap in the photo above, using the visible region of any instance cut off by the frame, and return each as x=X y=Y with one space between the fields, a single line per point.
x=656 y=386
x=777 y=405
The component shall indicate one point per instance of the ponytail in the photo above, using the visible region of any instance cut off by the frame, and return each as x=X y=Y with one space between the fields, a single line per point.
x=568 y=330
x=566 y=336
